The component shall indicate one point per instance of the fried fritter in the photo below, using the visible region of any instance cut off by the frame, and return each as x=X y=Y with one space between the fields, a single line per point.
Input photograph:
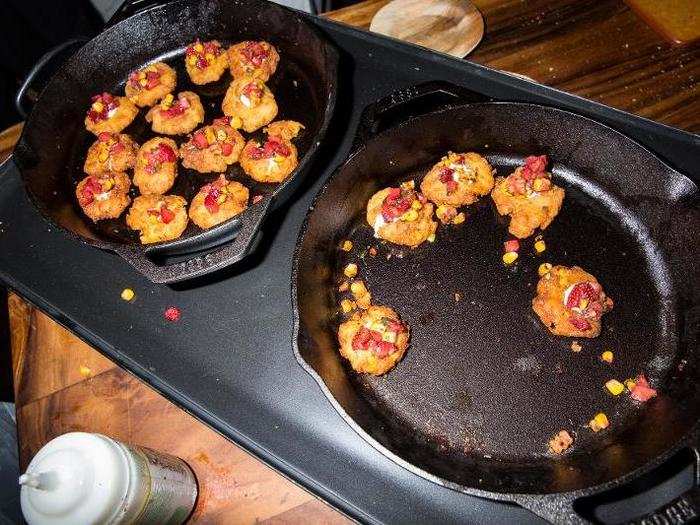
x=205 y=61
x=458 y=179
x=529 y=197
x=109 y=113
x=276 y=159
x=156 y=166
x=571 y=302
x=110 y=152
x=251 y=101
x=176 y=116
x=104 y=196
x=212 y=148
x=373 y=341
x=158 y=217
x=217 y=202
x=253 y=59
x=148 y=85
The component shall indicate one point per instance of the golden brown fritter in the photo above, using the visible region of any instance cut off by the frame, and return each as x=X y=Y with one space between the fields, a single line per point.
x=253 y=59
x=158 y=217
x=156 y=166
x=212 y=148
x=571 y=302
x=205 y=61
x=458 y=179
x=251 y=101
x=109 y=113
x=176 y=116
x=104 y=196
x=148 y=85
x=373 y=341
x=529 y=197
x=110 y=152
x=276 y=159
x=401 y=215
x=217 y=202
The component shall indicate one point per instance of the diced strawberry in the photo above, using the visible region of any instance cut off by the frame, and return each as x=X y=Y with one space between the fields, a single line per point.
x=116 y=148
x=257 y=198
x=166 y=215
x=255 y=53
x=201 y=63
x=254 y=152
x=153 y=79
x=641 y=390
x=174 y=111
x=385 y=348
x=396 y=326
x=580 y=323
x=200 y=140
x=210 y=202
x=275 y=147
x=226 y=148
x=165 y=153
x=581 y=291
x=212 y=47
x=252 y=89
x=451 y=186
x=104 y=136
x=516 y=185
x=172 y=314
x=446 y=175
x=511 y=245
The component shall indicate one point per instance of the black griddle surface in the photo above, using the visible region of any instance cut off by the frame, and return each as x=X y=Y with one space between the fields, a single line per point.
x=229 y=360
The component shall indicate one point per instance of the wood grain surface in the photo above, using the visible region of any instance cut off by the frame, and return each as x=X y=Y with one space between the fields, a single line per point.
x=454 y=27
x=595 y=48
x=598 y=49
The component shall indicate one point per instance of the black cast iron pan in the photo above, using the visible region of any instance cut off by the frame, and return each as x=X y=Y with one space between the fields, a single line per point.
x=52 y=148
x=483 y=385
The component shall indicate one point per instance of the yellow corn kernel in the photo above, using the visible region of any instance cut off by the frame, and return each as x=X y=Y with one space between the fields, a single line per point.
x=210 y=57
x=358 y=288
x=236 y=122
x=459 y=218
x=408 y=185
x=540 y=246
x=409 y=216
x=221 y=134
x=221 y=198
x=210 y=135
x=615 y=387
x=279 y=159
x=350 y=270
x=583 y=303
x=141 y=75
x=347 y=305
x=510 y=257
x=607 y=356
x=167 y=100
x=416 y=205
x=544 y=269
x=538 y=184
x=431 y=237
x=347 y=246
x=107 y=185
x=98 y=106
x=599 y=422
x=630 y=384
x=128 y=294
x=192 y=60
x=198 y=47
x=103 y=155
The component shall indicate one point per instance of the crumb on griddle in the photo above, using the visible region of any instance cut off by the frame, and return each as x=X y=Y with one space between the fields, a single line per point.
x=560 y=442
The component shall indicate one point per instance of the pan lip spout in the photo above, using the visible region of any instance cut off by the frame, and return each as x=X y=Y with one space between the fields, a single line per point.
x=538 y=494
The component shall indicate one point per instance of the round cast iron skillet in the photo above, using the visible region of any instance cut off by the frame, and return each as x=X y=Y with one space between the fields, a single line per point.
x=484 y=386
x=52 y=148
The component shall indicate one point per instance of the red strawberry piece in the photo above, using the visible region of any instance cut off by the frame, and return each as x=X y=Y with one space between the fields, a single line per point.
x=153 y=79
x=223 y=121
x=536 y=164
x=446 y=175
x=201 y=63
x=166 y=215
x=252 y=90
x=580 y=324
x=385 y=348
x=273 y=146
x=451 y=186
x=210 y=200
x=165 y=153
x=516 y=185
x=581 y=291
x=512 y=245
x=226 y=148
x=104 y=136
x=395 y=326
x=255 y=53
x=200 y=141
x=257 y=198
x=641 y=390
x=255 y=152
x=117 y=147
x=172 y=313
x=190 y=49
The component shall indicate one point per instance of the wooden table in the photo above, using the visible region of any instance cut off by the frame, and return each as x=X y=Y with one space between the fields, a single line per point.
x=594 y=48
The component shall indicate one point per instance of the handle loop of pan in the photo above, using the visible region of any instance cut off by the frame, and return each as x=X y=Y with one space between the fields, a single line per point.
x=563 y=507
x=409 y=102
x=225 y=254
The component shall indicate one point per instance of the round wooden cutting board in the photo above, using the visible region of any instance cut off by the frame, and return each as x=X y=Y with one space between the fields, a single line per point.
x=454 y=27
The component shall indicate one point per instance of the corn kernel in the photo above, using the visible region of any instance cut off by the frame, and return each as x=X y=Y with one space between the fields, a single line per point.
x=615 y=387
x=576 y=346
x=510 y=257
x=599 y=422
x=347 y=246
x=607 y=356
x=128 y=294
x=409 y=216
x=192 y=60
x=544 y=269
x=236 y=122
x=408 y=185
x=221 y=134
x=210 y=135
x=459 y=218
x=210 y=57
x=347 y=305
x=103 y=156
x=583 y=303
x=630 y=384
x=108 y=185
x=416 y=205
x=538 y=184
x=142 y=75
x=98 y=106
x=198 y=47
x=431 y=237
x=221 y=198
x=540 y=246
x=358 y=288
x=350 y=270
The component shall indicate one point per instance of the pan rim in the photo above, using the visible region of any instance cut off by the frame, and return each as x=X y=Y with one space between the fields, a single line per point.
x=331 y=64
x=522 y=498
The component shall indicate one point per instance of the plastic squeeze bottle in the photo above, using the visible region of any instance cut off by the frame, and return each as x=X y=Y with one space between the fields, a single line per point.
x=82 y=478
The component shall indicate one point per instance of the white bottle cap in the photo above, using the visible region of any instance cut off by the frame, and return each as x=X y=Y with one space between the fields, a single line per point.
x=75 y=478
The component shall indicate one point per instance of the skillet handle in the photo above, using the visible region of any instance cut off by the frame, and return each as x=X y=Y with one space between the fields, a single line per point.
x=411 y=102
x=198 y=265
x=42 y=71
x=561 y=508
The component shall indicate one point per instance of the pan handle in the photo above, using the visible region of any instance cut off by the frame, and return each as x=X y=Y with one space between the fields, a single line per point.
x=44 y=68
x=561 y=508
x=411 y=102
x=198 y=265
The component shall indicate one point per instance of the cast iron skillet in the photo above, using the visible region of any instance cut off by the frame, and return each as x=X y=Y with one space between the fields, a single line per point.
x=483 y=385
x=52 y=148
